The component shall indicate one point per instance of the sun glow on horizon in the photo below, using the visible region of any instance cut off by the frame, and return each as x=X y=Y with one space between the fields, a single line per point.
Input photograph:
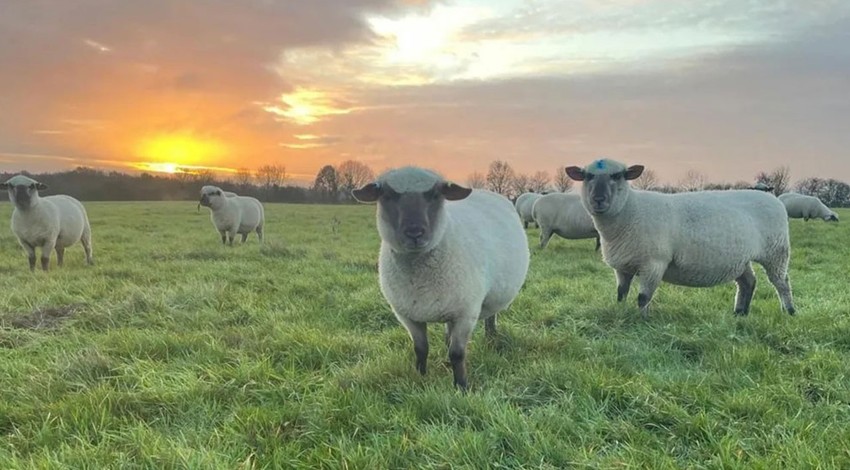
x=178 y=153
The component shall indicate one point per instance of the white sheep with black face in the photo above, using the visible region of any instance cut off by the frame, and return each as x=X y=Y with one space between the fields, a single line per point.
x=800 y=206
x=696 y=239
x=448 y=254
x=564 y=215
x=49 y=222
x=233 y=214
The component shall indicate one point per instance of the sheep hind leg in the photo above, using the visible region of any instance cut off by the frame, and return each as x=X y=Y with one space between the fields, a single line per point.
x=260 y=234
x=60 y=256
x=650 y=279
x=86 y=241
x=490 y=327
x=545 y=235
x=746 y=288
x=777 y=274
x=244 y=237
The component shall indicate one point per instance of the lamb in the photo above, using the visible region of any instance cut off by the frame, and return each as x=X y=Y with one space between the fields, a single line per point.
x=50 y=222
x=563 y=214
x=448 y=254
x=804 y=207
x=233 y=214
x=523 y=206
x=696 y=239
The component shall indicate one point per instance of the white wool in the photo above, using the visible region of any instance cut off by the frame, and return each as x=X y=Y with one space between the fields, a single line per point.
x=800 y=206
x=234 y=214
x=524 y=203
x=410 y=179
x=49 y=223
x=696 y=239
x=562 y=214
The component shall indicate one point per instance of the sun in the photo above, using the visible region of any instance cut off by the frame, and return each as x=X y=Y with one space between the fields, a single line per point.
x=177 y=153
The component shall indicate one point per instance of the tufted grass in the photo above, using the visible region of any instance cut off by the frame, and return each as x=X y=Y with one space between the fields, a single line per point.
x=175 y=352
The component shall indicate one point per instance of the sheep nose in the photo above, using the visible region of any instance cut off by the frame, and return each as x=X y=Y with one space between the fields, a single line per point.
x=414 y=232
x=598 y=198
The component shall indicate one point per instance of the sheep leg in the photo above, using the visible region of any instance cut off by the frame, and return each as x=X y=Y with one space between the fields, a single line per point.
x=624 y=282
x=30 y=254
x=418 y=332
x=45 y=255
x=545 y=235
x=650 y=279
x=230 y=236
x=459 y=337
x=60 y=256
x=260 y=233
x=244 y=237
x=490 y=327
x=598 y=242
x=525 y=224
x=223 y=237
x=777 y=274
x=86 y=241
x=746 y=288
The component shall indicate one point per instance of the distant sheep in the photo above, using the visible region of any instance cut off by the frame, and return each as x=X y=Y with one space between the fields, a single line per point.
x=804 y=207
x=233 y=214
x=523 y=205
x=49 y=222
x=448 y=254
x=762 y=187
x=563 y=214
x=696 y=239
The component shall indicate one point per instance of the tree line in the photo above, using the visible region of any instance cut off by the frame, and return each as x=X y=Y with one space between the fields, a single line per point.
x=333 y=183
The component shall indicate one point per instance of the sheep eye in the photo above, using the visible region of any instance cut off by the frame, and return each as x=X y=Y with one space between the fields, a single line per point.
x=32 y=186
x=617 y=176
x=218 y=193
x=588 y=176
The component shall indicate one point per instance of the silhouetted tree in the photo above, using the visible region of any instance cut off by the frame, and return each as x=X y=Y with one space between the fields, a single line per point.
x=520 y=184
x=476 y=180
x=270 y=178
x=646 y=181
x=242 y=178
x=693 y=181
x=500 y=178
x=779 y=179
x=352 y=174
x=539 y=182
x=327 y=183
x=563 y=183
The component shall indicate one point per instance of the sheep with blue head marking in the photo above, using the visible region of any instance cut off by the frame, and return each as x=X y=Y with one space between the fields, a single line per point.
x=448 y=254
x=232 y=214
x=696 y=239
x=48 y=222
x=800 y=206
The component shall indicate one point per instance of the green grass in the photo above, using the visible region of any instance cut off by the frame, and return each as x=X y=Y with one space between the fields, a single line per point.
x=176 y=352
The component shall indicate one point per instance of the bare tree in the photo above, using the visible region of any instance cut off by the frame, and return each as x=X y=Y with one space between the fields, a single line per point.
x=243 y=178
x=693 y=181
x=204 y=176
x=270 y=177
x=476 y=180
x=352 y=174
x=779 y=179
x=539 y=182
x=520 y=184
x=500 y=177
x=562 y=182
x=647 y=180
x=327 y=183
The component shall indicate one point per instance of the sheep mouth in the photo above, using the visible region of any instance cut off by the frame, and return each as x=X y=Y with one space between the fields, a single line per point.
x=417 y=245
x=599 y=208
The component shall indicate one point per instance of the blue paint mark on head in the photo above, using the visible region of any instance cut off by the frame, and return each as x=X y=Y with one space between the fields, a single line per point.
x=600 y=164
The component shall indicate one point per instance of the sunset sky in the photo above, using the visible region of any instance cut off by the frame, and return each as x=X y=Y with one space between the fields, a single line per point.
x=726 y=87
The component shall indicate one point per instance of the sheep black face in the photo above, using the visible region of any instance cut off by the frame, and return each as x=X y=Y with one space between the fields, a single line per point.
x=411 y=222
x=602 y=183
x=209 y=197
x=22 y=190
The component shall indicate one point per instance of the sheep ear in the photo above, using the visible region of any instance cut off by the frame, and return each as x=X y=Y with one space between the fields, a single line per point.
x=634 y=171
x=454 y=192
x=368 y=193
x=575 y=173
x=40 y=186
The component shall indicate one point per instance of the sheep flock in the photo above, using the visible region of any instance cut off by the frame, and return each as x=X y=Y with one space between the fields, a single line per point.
x=454 y=255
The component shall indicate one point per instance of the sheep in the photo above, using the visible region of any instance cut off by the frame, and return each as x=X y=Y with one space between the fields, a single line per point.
x=233 y=214
x=804 y=207
x=563 y=214
x=696 y=239
x=448 y=254
x=761 y=186
x=49 y=222
x=523 y=206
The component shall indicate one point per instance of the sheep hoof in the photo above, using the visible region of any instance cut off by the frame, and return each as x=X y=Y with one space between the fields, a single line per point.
x=741 y=313
x=792 y=311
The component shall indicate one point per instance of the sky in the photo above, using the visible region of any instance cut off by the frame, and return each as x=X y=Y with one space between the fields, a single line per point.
x=724 y=87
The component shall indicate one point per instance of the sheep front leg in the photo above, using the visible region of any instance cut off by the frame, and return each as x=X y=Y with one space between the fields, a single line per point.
x=418 y=332
x=30 y=254
x=45 y=254
x=231 y=235
x=650 y=279
x=624 y=282
x=223 y=234
x=459 y=337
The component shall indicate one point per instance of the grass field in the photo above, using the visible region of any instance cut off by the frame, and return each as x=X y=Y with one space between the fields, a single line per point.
x=176 y=352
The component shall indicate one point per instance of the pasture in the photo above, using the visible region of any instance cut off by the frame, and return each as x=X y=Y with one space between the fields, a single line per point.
x=175 y=352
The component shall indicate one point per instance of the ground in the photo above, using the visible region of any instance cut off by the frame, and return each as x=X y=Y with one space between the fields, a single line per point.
x=174 y=351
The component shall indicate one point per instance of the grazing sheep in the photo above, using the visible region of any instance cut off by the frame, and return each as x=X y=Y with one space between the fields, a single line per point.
x=696 y=239
x=523 y=205
x=762 y=187
x=563 y=214
x=233 y=214
x=448 y=254
x=50 y=222
x=804 y=207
